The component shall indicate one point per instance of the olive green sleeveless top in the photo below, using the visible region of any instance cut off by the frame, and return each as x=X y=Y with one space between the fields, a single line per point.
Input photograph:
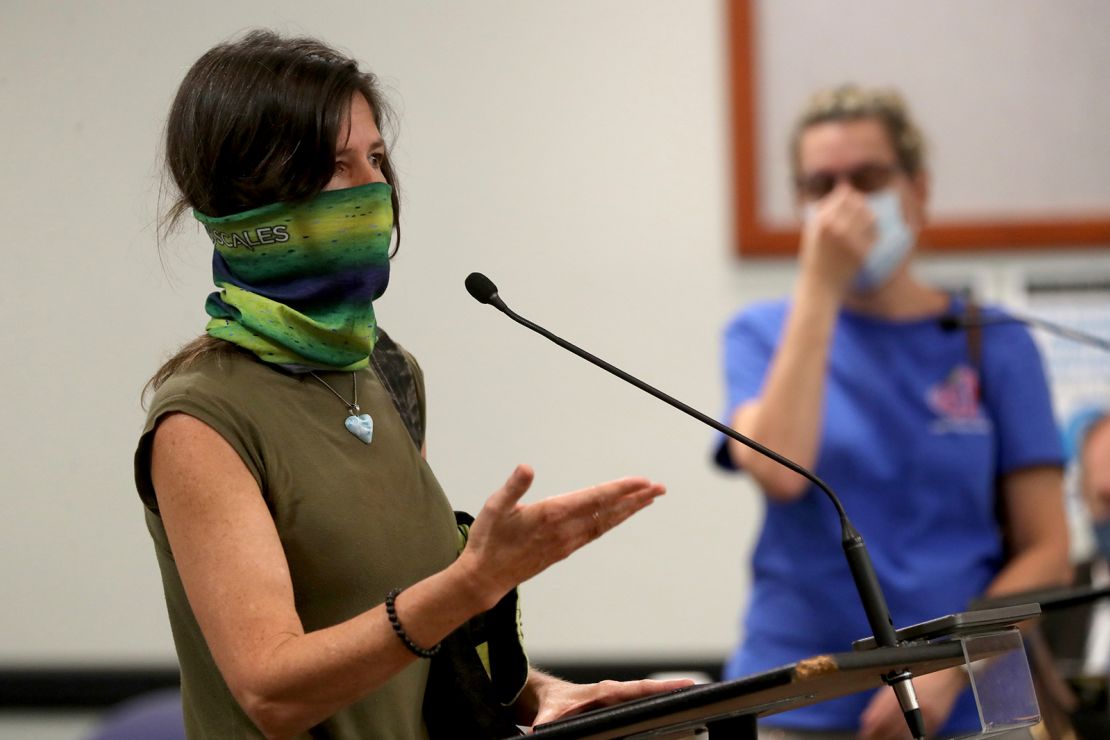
x=355 y=521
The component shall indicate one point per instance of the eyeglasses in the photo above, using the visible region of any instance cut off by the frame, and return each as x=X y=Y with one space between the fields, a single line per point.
x=867 y=178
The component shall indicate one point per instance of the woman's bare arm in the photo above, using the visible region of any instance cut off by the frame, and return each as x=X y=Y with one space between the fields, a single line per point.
x=238 y=584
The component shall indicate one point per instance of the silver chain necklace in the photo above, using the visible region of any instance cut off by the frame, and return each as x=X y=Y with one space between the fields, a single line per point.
x=358 y=424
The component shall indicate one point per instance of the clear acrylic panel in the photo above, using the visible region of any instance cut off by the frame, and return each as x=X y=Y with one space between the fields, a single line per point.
x=1000 y=678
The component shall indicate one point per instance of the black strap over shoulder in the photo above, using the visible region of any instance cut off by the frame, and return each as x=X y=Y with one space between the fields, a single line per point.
x=481 y=667
x=975 y=343
x=396 y=374
x=466 y=697
x=975 y=354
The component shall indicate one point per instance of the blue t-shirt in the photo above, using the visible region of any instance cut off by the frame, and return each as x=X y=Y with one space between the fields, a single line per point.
x=913 y=454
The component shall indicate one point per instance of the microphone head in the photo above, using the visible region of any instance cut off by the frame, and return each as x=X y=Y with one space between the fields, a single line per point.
x=480 y=287
x=951 y=322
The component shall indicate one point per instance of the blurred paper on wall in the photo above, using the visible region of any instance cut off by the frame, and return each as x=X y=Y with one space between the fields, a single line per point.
x=1079 y=374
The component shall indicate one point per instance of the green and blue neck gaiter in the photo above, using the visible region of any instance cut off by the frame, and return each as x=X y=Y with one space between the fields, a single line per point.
x=298 y=281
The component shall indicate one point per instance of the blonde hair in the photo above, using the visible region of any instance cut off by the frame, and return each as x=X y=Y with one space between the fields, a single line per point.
x=852 y=103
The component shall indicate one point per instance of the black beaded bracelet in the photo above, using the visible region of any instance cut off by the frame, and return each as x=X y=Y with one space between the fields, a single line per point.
x=391 y=611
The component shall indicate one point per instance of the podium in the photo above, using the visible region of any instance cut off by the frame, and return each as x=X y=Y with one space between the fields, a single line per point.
x=1073 y=701
x=984 y=640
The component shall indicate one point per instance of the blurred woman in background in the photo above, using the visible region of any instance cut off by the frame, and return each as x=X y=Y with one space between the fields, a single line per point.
x=942 y=444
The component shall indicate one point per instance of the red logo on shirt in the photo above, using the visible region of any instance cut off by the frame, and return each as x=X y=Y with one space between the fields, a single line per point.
x=957 y=397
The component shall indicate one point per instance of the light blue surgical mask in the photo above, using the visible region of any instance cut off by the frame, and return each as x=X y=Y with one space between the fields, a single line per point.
x=893 y=241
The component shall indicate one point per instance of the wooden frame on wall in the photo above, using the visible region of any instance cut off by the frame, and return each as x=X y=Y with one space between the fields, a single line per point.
x=757 y=238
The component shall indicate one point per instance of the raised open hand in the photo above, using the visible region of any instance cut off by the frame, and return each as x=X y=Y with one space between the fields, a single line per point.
x=510 y=542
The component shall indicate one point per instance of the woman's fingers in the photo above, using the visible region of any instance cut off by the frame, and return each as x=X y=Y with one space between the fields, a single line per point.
x=605 y=506
x=506 y=497
x=617 y=692
x=622 y=508
x=609 y=495
x=571 y=699
x=512 y=541
x=576 y=519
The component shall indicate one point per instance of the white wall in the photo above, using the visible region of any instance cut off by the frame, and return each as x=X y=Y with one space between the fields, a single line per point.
x=576 y=152
x=1011 y=94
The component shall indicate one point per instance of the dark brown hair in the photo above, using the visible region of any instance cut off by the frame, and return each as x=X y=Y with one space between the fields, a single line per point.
x=254 y=122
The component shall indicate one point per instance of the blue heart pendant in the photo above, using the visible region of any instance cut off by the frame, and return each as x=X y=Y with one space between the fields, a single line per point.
x=361 y=426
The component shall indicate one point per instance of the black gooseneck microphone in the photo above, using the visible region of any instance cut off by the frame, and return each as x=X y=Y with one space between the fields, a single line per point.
x=961 y=321
x=859 y=562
